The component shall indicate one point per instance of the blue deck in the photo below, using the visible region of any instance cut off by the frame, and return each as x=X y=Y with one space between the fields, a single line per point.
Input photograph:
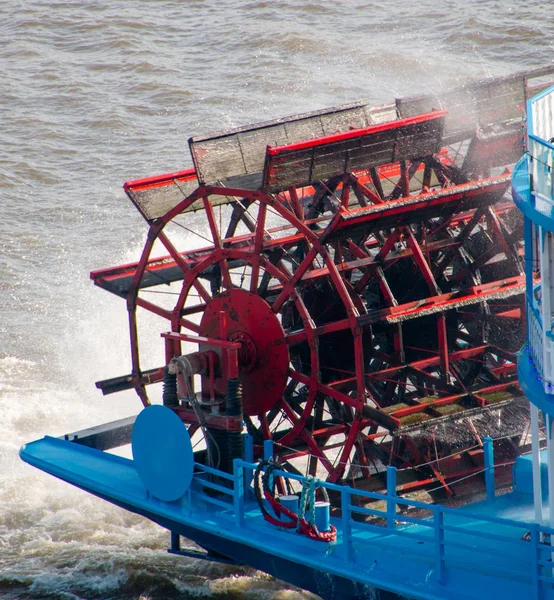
x=446 y=553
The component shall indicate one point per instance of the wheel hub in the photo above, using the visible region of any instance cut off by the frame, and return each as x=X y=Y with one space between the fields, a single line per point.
x=264 y=355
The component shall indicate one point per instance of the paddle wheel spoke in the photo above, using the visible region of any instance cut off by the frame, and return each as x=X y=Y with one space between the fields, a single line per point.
x=260 y=233
x=223 y=265
x=184 y=266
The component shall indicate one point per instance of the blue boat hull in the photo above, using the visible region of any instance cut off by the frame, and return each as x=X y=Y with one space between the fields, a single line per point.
x=326 y=585
x=452 y=555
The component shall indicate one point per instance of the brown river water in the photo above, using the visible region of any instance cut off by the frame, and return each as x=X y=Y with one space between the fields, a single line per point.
x=95 y=93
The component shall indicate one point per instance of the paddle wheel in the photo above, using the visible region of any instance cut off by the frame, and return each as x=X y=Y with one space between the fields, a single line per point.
x=357 y=289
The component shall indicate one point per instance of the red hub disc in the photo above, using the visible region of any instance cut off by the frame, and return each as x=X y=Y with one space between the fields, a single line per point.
x=264 y=356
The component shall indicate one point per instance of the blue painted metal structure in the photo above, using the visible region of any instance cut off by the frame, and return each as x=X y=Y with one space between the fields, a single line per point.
x=444 y=553
x=533 y=193
x=495 y=548
x=159 y=432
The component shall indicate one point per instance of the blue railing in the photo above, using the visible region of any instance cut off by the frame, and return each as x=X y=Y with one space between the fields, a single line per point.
x=539 y=143
x=453 y=545
x=541 y=161
x=533 y=187
x=521 y=180
x=535 y=338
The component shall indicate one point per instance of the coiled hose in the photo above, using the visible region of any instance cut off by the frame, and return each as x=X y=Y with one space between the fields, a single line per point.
x=264 y=483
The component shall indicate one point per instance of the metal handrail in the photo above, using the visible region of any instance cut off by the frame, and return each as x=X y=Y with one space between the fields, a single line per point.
x=436 y=531
x=440 y=533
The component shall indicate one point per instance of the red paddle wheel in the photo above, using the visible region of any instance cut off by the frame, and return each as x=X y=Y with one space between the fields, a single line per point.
x=359 y=288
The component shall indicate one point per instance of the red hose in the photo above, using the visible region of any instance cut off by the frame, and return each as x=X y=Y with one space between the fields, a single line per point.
x=305 y=528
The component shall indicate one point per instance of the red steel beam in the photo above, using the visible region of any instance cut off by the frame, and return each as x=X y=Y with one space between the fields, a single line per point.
x=356 y=133
x=411 y=410
x=433 y=361
x=216 y=421
x=435 y=304
x=487 y=190
x=103 y=277
x=158 y=180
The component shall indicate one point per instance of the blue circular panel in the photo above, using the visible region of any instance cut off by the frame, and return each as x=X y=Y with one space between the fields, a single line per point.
x=162 y=453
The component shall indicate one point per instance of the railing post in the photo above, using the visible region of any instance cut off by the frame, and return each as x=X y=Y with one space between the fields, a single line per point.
x=391 y=497
x=248 y=445
x=536 y=556
x=238 y=493
x=488 y=452
x=346 y=523
x=268 y=449
x=438 y=518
